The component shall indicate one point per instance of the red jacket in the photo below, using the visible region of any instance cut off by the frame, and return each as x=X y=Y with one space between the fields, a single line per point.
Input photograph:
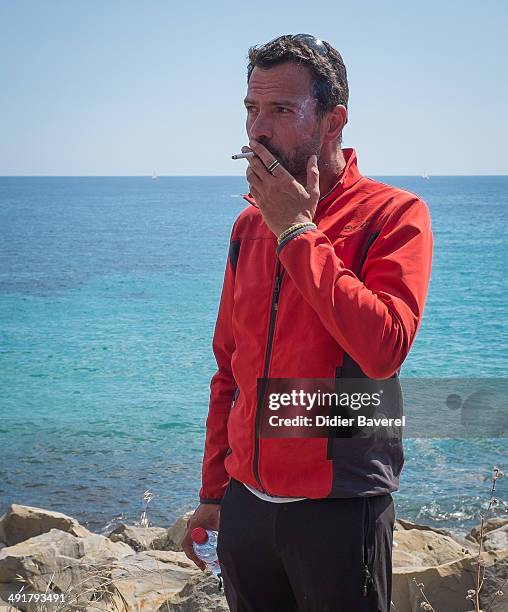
x=296 y=312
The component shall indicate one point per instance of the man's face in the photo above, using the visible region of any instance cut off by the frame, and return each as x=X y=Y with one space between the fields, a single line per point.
x=281 y=115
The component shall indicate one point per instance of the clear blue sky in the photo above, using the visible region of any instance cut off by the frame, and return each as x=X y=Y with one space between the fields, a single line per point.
x=119 y=87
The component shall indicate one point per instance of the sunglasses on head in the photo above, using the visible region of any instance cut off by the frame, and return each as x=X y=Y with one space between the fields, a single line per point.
x=311 y=41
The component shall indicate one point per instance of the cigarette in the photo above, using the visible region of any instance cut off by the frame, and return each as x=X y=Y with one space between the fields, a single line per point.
x=243 y=155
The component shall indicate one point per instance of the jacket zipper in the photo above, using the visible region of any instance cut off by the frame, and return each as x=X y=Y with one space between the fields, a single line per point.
x=268 y=353
x=367 y=574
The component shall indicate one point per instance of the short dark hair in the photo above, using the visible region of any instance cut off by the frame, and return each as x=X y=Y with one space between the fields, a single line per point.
x=328 y=73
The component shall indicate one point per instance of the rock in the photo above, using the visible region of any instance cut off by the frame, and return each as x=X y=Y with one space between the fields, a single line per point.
x=147 y=580
x=66 y=563
x=427 y=547
x=403 y=524
x=446 y=585
x=6 y=590
x=5 y=606
x=489 y=525
x=20 y=523
x=109 y=604
x=152 y=538
x=177 y=531
x=200 y=593
x=33 y=556
x=403 y=558
x=496 y=539
x=133 y=569
x=46 y=550
x=494 y=577
x=140 y=538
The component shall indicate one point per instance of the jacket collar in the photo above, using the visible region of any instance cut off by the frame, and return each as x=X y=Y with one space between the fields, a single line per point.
x=346 y=179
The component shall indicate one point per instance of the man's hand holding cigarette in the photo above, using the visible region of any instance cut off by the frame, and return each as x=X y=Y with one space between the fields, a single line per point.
x=282 y=200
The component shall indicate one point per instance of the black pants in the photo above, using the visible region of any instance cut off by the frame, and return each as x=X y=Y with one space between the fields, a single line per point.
x=312 y=555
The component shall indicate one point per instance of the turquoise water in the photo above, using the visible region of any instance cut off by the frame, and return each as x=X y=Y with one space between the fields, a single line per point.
x=108 y=296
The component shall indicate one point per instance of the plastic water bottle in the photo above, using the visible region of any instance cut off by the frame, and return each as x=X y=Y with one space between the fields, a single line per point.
x=204 y=543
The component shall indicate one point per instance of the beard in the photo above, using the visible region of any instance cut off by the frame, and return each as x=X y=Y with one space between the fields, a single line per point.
x=295 y=161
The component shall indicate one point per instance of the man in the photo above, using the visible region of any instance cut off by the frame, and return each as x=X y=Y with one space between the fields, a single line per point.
x=326 y=278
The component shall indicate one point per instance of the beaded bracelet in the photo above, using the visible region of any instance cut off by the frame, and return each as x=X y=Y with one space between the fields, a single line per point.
x=293 y=228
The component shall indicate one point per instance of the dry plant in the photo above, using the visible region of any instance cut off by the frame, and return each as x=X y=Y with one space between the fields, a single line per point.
x=474 y=594
x=425 y=605
x=100 y=592
x=147 y=498
x=145 y=522
x=75 y=592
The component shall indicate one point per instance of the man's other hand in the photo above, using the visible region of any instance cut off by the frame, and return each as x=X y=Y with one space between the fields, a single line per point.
x=206 y=516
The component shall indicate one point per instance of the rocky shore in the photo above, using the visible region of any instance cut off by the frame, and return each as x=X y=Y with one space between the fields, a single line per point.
x=144 y=570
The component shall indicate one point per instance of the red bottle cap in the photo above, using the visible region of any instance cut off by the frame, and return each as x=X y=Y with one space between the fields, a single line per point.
x=199 y=535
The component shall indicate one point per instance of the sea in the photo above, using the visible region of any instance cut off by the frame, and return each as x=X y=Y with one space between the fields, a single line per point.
x=109 y=288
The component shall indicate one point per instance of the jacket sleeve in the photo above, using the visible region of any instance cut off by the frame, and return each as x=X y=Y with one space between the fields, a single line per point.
x=222 y=386
x=374 y=320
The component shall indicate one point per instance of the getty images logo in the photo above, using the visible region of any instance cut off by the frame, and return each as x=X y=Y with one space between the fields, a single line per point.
x=482 y=414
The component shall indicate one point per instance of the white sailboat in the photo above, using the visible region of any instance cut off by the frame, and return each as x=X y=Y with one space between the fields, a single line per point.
x=425 y=176
x=154 y=176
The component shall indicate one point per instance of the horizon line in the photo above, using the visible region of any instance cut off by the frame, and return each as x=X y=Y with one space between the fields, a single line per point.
x=159 y=176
